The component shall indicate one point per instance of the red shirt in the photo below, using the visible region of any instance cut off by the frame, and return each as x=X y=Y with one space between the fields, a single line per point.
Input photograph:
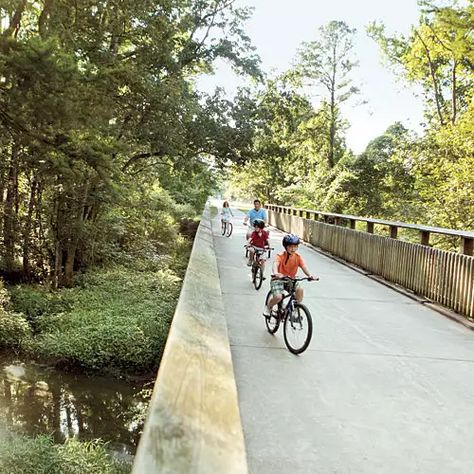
x=259 y=239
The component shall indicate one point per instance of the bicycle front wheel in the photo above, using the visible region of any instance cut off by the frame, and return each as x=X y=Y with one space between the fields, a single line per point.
x=224 y=228
x=298 y=329
x=258 y=279
x=230 y=228
x=272 y=322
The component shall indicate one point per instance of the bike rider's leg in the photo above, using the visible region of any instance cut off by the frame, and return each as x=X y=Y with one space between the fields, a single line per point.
x=271 y=303
x=299 y=293
x=251 y=252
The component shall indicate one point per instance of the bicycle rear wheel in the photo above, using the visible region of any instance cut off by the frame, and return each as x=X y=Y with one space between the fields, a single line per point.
x=224 y=228
x=258 y=278
x=230 y=228
x=298 y=329
x=272 y=322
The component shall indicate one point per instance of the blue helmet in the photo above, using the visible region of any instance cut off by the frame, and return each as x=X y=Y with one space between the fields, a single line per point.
x=290 y=239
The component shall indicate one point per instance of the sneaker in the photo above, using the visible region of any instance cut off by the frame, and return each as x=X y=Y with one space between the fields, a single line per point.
x=264 y=278
x=249 y=264
x=266 y=311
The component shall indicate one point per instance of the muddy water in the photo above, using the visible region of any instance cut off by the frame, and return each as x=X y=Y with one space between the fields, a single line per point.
x=35 y=399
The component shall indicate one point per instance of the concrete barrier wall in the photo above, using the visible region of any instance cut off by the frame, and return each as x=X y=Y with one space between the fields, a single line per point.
x=444 y=277
x=193 y=424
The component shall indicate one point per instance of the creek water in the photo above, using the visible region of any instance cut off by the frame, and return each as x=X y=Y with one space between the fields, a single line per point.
x=35 y=399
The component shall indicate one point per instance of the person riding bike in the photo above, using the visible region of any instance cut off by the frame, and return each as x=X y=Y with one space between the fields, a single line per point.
x=256 y=213
x=286 y=264
x=226 y=212
x=260 y=239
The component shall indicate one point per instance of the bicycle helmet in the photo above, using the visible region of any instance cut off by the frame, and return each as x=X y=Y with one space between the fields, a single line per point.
x=290 y=239
x=260 y=223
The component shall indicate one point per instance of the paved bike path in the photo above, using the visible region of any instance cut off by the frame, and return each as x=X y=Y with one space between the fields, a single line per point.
x=386 y=385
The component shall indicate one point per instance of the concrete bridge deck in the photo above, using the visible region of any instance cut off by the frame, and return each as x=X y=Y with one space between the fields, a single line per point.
x=386 y=386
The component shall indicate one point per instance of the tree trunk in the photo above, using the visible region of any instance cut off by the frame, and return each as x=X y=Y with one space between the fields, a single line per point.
x=58 y=254
x=454 y=110
x=48 y=6
x=27 y=230
x=436 y=88
x=332 y=126
x=15 y=21
x=9 y=212
x=67 y=279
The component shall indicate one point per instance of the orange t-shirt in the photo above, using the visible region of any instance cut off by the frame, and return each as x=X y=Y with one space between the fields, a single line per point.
x=289 y=266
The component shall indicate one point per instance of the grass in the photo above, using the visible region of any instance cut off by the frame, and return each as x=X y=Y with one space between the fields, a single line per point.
x=39 y=455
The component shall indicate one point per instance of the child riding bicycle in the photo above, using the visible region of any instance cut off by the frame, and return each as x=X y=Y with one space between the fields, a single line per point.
x=226 y=212
x=260 y=239
x=286 y=264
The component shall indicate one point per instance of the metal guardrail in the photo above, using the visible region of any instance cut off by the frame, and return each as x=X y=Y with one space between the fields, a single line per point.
x=466 y=237
x=443 y=277
x=193 y=422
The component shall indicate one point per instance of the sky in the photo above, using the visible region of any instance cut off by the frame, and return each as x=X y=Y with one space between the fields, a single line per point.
x=278 y=27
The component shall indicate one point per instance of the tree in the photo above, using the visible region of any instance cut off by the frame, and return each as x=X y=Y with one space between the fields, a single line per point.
x=328 y=63
x=271 y=163
x=93 y=98
x=438 y=56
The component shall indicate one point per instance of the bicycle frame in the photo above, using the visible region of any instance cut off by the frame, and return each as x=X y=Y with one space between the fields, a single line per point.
x=285 y=310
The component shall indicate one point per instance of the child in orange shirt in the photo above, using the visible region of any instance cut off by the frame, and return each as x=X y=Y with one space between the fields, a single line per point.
x=286 y=264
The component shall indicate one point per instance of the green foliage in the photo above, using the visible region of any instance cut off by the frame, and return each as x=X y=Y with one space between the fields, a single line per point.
x=114 y=319
x=99 y=111
x=298 y=154
x=15 y=332
x=34 y=301
x=40 y=455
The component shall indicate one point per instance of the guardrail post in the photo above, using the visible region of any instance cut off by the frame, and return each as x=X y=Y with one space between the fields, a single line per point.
x=393 y=231
x=370 y=227
x=467 y=246
x=424 y=237
x=337 y=221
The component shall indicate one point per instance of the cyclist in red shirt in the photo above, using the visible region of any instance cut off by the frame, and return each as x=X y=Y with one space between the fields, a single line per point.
x=260 y=239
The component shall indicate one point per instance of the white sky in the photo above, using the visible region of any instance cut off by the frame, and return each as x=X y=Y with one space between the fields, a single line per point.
x=278 y=27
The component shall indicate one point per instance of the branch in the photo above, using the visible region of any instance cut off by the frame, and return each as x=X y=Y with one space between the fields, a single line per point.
x=433 y=77
x=138 y=157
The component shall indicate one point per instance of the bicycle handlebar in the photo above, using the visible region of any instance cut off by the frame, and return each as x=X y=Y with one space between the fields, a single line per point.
x=258 y=248
x=286 y=278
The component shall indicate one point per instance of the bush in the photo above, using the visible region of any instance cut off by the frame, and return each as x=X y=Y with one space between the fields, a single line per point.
x=15 y=332
x=34 y=301
x=20 y=454
x=119 y=320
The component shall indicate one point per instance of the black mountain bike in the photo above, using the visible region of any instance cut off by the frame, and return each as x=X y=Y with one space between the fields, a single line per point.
x=295 y=317
x=257 y=262
x=227 y=228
